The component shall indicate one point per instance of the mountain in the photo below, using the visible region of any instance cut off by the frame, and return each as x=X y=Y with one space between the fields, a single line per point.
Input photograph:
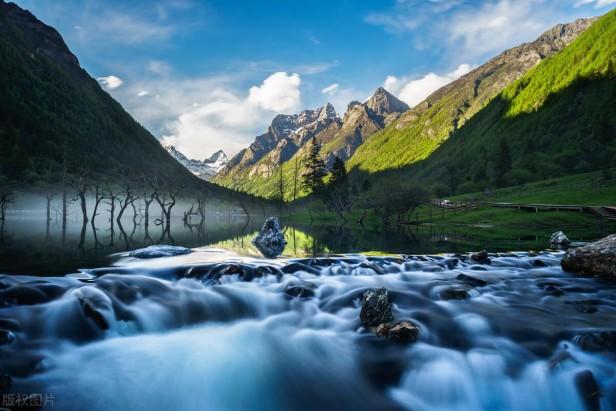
x=52 y=113
x=285 y=135
x=557 y=119
x=417 y=133
x=339 y=138
x=204 y=169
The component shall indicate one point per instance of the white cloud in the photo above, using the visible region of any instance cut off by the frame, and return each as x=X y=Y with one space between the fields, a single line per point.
x=474 y=31
x=142 y=93
x=496 y=26
x=110 y=82
x=202 y=115
x=598 y=3
x=279 y=92
x=331 y=88
x=414 y=90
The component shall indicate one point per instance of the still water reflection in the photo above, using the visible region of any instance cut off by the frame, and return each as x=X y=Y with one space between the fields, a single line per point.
x=29 y=246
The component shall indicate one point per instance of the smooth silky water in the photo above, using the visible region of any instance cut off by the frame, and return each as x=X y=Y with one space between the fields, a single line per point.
x=218 y=329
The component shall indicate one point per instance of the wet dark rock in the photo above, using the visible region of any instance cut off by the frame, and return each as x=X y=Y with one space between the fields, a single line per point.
x=539 y=263
x=596 y=341
x=472 y=281
x=375 y=308
x=5 y=382
x=481 y=257
x=553 y=291
x=594 y=259
x=91 y=312
x=302 y=290
x=585 y=306
x=402 y=331
x=23 y=295
x=270 y=240
x=559 y=240
x=453 y=293
x=296 y=267
x=6 y=337
x=588 y=389
x=373 y=267
x=451 y=263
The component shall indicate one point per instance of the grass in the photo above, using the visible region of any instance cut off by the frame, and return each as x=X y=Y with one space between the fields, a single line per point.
x=596 y=188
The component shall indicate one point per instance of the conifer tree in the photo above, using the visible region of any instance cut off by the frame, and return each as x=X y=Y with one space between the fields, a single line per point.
x=312 y=178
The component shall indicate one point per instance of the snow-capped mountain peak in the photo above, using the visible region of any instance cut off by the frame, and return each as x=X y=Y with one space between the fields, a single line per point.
x=204 y=169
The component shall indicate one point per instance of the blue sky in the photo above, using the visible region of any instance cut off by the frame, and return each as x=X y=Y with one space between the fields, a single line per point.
x=205 y=75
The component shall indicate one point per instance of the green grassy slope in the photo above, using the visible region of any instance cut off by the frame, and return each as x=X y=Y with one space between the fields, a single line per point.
x=558 y=119
x=421 y=130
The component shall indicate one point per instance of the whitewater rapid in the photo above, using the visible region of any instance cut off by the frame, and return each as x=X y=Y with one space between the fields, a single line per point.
x=215 y=331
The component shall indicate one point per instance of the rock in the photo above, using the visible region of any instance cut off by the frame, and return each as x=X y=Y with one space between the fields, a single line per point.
x=453 y=293
x=90 y=311
x=402 y=331
x=559 y=240
x=6 y=337
x=481 y=257
x=553 y=291
x=303 y=290
x=472 y=281
x=270 y=240
x=375 y=308
x=594 y=259
x=156 y=251
x=596 y=341
x=588 y=389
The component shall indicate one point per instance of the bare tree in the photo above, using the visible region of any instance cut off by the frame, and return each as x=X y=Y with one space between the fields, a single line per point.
x=127 y=199
x=6 y=198
x=81 y=184
x=99 y=195
x=111 y=197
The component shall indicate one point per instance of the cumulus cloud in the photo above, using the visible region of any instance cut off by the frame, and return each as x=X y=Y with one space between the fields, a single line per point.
x=331 y=88
x=202 y=115
x=414 y=90
x=110 y=82
x=279 y=92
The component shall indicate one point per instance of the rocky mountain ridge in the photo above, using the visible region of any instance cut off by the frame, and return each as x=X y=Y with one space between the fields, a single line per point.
x=204 y=169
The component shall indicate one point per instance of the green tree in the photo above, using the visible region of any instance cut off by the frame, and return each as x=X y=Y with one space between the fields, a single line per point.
x=338 y=173
x=312 y=178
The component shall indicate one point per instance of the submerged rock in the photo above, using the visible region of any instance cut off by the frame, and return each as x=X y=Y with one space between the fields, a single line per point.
x=402 y=331
x=589 y=390
x=472 y=281
x=453 y=293
x=156 y=251
x=375 y=309
x=481 y=257
x=6 y=337
x=270 y=240
x=559 y=240
x=303 y=290
x=596 y=341
x=595 y=259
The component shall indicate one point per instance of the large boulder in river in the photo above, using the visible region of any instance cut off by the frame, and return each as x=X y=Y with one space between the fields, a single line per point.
x=402 y=331
x=375 y=308
x=270 y=240
x=595 y=259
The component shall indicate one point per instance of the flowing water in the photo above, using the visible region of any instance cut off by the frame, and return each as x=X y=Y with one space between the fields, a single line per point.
x=219 y=329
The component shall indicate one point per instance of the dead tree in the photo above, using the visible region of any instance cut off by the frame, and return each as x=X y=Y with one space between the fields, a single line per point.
x=6 y=198
x=99 y=196
x=81 y=185
x=129 y=197
x=110 y=199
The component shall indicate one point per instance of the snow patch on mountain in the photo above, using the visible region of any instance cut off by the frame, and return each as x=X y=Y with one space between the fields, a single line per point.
x=204 y=169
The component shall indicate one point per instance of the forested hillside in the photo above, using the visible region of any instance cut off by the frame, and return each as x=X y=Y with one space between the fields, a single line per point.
x=53 y=114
